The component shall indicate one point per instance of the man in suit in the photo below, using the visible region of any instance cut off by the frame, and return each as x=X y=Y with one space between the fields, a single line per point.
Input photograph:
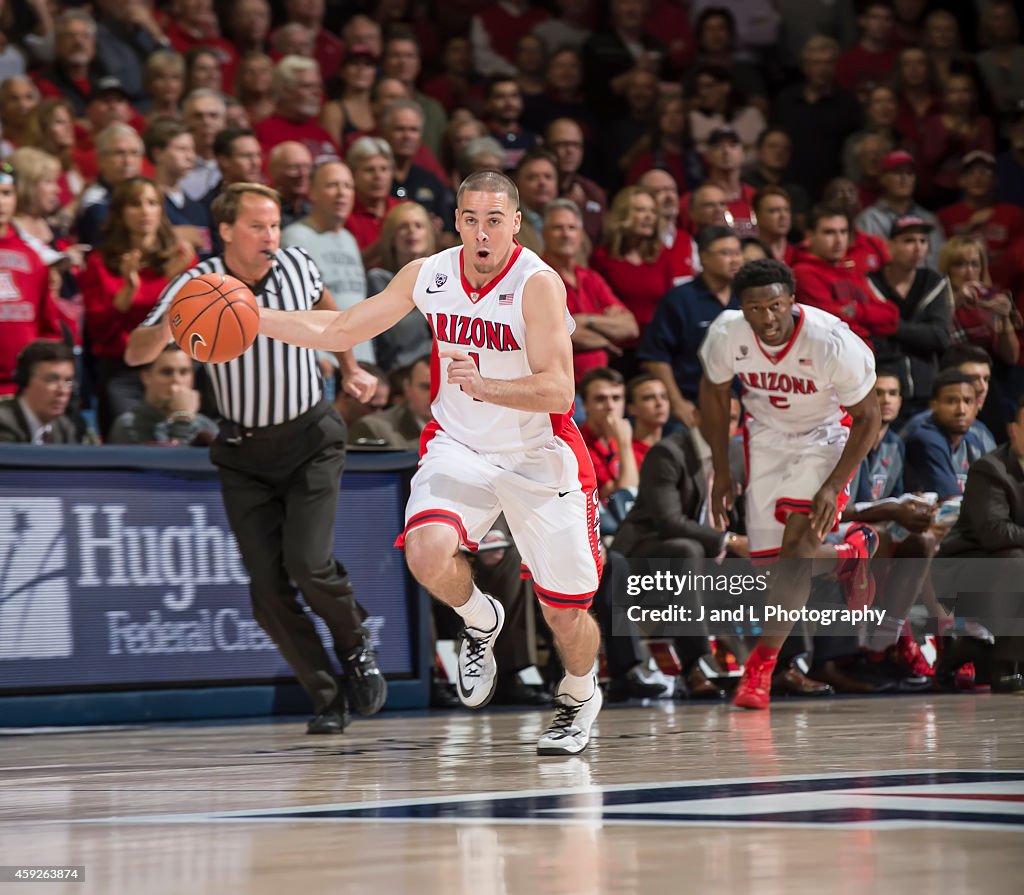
x=991 y=525
x=669 y=519
x=45 y=380
x=400 y=426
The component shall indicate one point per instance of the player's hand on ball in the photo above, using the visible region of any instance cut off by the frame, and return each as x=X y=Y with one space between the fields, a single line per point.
x=463 y=372
x=823 y=510
x=359 y=384
x=722 y=497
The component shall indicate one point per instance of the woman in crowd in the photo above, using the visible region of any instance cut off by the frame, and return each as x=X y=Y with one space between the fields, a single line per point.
x=51 y=128
x=348 y=110
x=983 y=314
x=407 y=235
x=666 y=145
x=633 y=259
x=164 y=78
x=947 y=136
x=121 y=285
x=717 y=103
x=255 y=87
x=917 y=89
x=38 y=190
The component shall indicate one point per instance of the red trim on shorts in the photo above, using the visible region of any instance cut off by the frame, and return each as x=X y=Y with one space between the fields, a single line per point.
x=437 y=517
x=429 y=431
x=764 y=557
x=563 y=601
x=482 y=292
x=786 y=506
x=775 y=358
x=588 y=484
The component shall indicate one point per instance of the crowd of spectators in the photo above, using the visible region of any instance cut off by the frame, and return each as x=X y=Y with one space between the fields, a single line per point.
x=875 y=146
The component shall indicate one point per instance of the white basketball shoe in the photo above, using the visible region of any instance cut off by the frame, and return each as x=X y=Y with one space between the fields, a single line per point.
x=478 y=670
x=569 y=733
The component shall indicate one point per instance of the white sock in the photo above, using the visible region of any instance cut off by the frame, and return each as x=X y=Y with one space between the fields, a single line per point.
x=579 y=688
x=477 y=611
x=886 y=634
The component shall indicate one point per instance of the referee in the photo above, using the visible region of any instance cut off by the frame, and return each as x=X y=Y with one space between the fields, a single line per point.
x=280 y=454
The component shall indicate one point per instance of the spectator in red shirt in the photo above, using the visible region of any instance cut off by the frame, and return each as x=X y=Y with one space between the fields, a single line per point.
x=918 y=92
x=27 y=312
x=74 y=67
x=121 y=285
x=947 y=136
x=607 y=433
x=192 y=24
x=350 y=109
x=978 y=213
x=373 y=169
x=632 y=258
x=457 y=86
x=18 y=97
x=248 y=25
x=867 y=251
x=497 y=29
x=298 y=93
x=51 y=128
x=724 y=160
x=602 y=321
x=827 y=279
x=873 y=58
x=681 y=246
x=648 y=404
x=328 y=50
x=665 y=145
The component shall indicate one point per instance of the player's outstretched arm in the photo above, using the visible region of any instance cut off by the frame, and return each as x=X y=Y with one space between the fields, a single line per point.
x=867 y=419
x=550 y=388
x=343 y=330
x=146 y=342
x=715 y=398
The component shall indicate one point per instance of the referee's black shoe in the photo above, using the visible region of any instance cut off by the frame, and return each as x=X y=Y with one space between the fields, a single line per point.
x=364 y=684
x=333 y=719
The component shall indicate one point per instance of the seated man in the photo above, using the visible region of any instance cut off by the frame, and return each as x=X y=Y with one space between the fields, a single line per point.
x=45 y=378
x=942 y=447
x=169 y=410
x=400 y=426
x=609 y=438
x=991 y=525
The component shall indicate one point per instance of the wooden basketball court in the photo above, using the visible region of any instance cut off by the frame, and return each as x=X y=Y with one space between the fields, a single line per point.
x=898 y=794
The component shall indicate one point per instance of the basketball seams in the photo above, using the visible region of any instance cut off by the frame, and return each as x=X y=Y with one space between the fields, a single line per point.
x=227 y=298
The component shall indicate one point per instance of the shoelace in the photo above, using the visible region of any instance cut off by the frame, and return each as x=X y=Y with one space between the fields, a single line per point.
x=565 y=716
x=475 y=654
x=761 y=676
x=361 y=664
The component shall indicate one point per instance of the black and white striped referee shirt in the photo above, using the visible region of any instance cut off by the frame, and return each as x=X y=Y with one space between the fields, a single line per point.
x=272 y=382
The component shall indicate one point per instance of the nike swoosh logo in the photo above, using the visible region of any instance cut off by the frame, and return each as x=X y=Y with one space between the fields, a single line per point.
x=194 y=340
x=563 y=493
x=434 y=291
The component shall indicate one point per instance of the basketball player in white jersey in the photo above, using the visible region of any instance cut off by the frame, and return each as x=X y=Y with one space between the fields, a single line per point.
x=812 y=416
x=502 y=440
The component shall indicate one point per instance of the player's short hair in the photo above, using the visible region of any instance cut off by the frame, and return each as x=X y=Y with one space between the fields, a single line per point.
x=763 y=272
x=950 y=377
x=964 y=354
x=489 y=182
x=599 y=374
x=636 y=382
x=226 y=206
x=823 y=211
x=707 y=236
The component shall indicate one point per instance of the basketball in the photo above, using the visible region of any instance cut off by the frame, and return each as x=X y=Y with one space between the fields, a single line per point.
x=214 y=318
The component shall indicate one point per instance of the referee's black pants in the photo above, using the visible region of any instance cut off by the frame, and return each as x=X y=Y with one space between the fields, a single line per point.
x=280 y=487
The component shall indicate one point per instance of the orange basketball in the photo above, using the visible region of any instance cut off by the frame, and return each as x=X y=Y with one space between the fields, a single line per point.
x=214 y=318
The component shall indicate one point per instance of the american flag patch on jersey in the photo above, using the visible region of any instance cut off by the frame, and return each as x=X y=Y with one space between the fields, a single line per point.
x=806 y=362
x=505 y=299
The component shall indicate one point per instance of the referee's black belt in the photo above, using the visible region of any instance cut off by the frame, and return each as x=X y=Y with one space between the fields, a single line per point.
x=236 y=433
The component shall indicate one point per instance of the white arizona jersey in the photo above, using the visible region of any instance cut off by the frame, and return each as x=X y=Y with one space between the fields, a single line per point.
x=801 y=387
x=487 y=325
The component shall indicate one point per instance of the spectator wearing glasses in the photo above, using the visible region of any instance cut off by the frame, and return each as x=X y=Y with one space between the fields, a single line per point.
x=45 y=376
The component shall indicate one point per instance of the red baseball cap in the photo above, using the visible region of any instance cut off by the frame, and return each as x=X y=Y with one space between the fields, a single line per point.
x=898 y=158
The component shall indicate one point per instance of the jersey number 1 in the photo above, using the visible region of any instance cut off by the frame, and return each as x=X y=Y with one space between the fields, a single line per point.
x=475 y=357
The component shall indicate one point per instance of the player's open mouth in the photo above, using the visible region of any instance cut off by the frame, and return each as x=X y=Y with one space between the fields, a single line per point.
x=483 y=254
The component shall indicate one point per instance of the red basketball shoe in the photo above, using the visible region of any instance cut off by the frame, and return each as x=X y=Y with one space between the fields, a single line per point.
x=853 y=572
x=908 y=652
x=754 y=690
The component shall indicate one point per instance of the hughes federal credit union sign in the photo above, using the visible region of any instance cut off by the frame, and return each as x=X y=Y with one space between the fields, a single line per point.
x=117 y=578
